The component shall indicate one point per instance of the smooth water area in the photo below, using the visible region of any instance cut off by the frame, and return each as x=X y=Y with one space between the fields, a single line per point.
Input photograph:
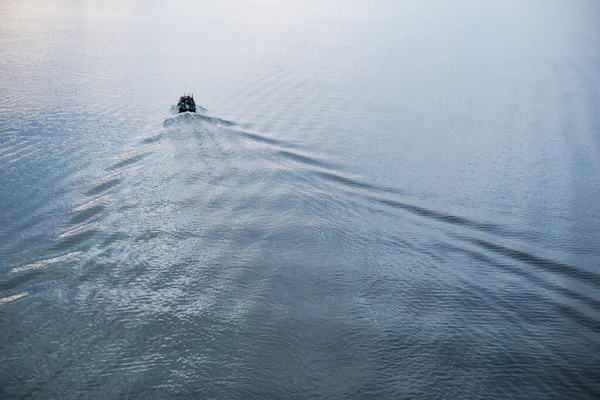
x=387 y=200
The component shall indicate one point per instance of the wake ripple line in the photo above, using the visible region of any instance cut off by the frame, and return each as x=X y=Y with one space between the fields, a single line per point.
x=307 y=160
x=13 y=298
x=92 y=203
x=112 y=176
x=346 y=181
x=43 y=263
x=539 y=262
x=8 y=148
x=81 y=229
x=414 y=209
x=560 y=309
x=15 y=160
x=551 y=287
x=16 y=152
x=261 y=138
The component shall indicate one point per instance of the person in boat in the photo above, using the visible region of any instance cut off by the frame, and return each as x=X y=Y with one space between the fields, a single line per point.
x=181 y=105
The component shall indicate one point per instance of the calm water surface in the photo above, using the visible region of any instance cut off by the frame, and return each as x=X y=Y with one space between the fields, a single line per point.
x=396 y=200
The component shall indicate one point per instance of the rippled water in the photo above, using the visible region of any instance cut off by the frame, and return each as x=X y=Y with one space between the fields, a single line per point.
x=391 y=200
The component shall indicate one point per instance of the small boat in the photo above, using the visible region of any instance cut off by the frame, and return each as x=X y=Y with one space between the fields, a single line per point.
x=186 y=104
x=187 y=110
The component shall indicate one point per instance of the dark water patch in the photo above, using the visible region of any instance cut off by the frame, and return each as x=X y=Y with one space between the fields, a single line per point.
x=582 y=319
x=127 y=162
x=73 y=241
x=130 y=157
x=25 y=248
x=34 y=224
x=103 y=187
x=86 y=214
x=114 y=238
x=581 y=381
x=539 y=262
x=17 y=281
x=98 y=201
x=152 y=139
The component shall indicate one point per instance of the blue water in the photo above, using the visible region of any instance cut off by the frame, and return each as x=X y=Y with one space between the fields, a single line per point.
x=396 y=200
